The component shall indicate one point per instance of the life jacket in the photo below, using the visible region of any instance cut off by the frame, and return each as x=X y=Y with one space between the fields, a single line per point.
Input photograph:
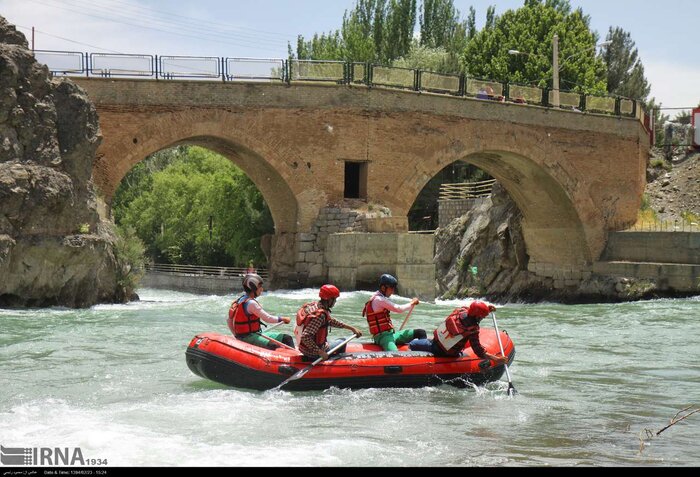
x=378 y=321
x=450 y=334
x=240 y=322
x=305 y=313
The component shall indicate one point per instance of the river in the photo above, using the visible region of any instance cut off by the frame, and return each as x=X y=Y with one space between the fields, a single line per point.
x=112 y=380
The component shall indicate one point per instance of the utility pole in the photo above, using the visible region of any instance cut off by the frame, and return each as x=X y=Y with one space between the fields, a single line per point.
x=555 y=70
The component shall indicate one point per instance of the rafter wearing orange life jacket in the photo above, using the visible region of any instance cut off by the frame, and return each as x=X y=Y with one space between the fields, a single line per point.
x=306 y=313
x=240 y=322
x=378 y=321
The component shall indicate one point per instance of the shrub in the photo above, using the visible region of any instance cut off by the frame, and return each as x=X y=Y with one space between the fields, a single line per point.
x=660 y=164
x=129 y=252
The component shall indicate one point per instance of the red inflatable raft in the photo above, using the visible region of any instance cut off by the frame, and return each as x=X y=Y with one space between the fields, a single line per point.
x=226 y=360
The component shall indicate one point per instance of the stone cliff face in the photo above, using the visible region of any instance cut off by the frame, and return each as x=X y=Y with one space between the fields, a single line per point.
x=483 y=254
x=54 y=249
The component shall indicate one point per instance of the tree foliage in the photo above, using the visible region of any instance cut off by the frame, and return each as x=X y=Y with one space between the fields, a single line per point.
x=530 y=29
x=169 y=199
x=625 y=70
x=375 y=31
x=129 y=253
x=442 y=30
x=427 y=58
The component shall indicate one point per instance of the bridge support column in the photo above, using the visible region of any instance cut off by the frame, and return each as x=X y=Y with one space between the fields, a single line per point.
x=282 y=260
x=357 y=260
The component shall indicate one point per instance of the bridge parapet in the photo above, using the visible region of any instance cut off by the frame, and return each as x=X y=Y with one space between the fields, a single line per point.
x=110 y=65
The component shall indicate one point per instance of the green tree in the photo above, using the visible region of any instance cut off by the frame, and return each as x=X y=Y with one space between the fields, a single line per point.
x=471 y=24
x=401 y=20
x=490 y=17
x=443 y=31
x=363 y=30
x=530 y=29
x=437 y=21
x=172 y=210
x=625 y=70
x=140 y=178
x=129 y=253
x=427 y=59
x=376 y=31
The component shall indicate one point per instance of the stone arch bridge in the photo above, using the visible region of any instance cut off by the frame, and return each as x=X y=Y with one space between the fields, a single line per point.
x=575 y=176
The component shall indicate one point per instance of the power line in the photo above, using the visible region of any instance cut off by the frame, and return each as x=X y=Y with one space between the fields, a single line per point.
x=191 y=24
x=189 y=19
x=69 y=40
x=145 y=23
x=240 y=43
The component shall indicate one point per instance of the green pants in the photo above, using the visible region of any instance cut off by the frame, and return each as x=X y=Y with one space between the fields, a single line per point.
x=389 y=339
x=257 y=340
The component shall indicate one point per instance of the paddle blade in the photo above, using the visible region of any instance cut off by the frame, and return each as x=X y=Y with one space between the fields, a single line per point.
x=299 y=375
x=293 y=378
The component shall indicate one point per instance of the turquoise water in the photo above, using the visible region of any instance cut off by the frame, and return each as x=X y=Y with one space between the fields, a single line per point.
x=113 y=381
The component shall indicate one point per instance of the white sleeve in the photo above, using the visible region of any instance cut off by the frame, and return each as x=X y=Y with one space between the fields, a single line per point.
x=383 y=303
x=254 y=308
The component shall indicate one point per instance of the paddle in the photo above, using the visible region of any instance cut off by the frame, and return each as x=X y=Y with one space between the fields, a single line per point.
x=407 y=317
x=511 y=388
x=278 y=343
x=273 y=326
x=301 y=373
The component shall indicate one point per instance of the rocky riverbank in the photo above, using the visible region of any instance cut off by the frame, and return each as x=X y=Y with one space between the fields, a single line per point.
x=483 y=254
x=54 y=249
x=673 y=189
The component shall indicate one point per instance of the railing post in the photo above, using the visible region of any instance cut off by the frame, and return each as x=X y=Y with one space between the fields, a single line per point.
x=223 y=69
x=87 y=64
x=545 y=98
x=462 y=84
x=416 y=80
x=506 y=90
x=582 y=102
x=157 y=64
x=617 y=106
x=369 y=71
x=288 y=71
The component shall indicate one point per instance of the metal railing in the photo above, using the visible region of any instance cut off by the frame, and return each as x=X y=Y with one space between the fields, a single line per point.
x=665 y=226
x=199 y=270
x=106 y=65
x=466 y=190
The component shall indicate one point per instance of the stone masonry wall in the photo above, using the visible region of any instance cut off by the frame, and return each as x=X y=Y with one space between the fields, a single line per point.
x=311 y=268
x=448 y=210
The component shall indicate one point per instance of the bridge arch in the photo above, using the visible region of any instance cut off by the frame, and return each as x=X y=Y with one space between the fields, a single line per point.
x=131 y=144
x=555 y=226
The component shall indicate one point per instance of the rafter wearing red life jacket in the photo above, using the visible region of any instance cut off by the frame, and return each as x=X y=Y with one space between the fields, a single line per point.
x=451 y=335
x=378 y=321
x=305 y=313
x=240 y=322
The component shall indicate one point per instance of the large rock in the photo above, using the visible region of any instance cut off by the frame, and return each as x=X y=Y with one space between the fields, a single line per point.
x=54 y=249
x=483 y=254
